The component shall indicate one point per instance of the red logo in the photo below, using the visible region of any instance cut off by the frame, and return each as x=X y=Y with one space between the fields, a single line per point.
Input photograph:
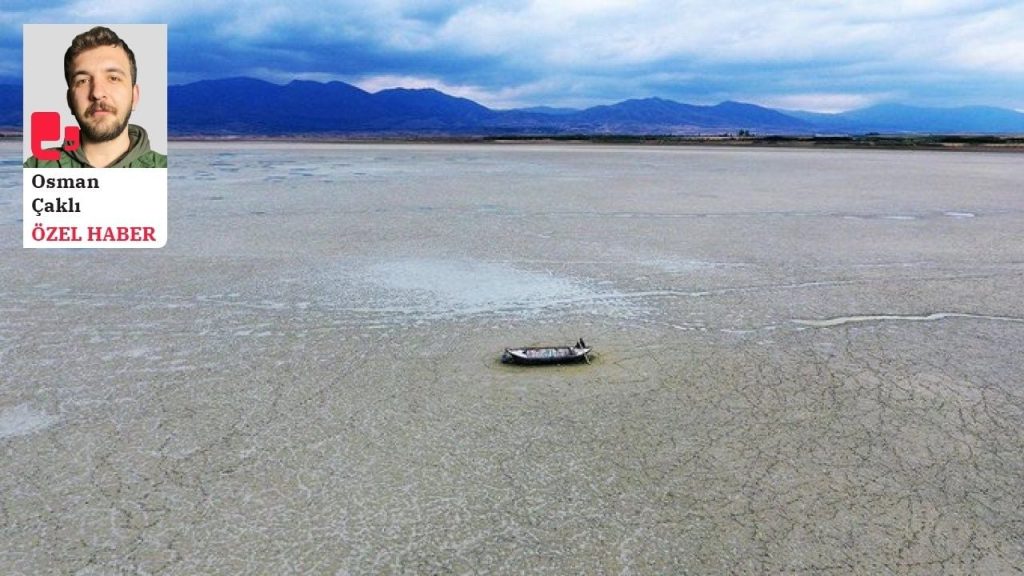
x=46 y=128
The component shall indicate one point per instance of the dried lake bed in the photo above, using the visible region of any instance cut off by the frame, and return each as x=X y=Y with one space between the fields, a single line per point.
x=808 y=361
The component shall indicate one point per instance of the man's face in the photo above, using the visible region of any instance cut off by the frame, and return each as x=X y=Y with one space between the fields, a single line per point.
x=101 y=95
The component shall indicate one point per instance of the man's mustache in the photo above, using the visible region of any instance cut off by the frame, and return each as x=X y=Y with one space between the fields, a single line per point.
x=100 y=107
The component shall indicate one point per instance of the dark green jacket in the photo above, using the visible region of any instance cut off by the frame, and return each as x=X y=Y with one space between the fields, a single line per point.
x=138 y=155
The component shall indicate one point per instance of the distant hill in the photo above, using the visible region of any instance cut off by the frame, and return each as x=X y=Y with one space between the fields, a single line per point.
x=430 y=109
x=659 y=116
x=899 y=118
x=247 y=106
x=250 y=106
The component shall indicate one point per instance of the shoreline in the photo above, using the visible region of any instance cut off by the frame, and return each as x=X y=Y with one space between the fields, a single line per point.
x=942 y=142
x=959 y=143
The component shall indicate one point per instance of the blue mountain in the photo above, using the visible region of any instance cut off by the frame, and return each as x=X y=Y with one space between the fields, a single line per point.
x=660 y=116
x=247 y=106
x=250 y=106
x=900 y=118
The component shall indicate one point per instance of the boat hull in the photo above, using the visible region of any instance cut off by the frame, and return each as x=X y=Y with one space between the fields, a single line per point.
x=545 y=355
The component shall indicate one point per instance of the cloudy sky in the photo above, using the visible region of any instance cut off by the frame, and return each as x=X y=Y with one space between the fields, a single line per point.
x=823 y=55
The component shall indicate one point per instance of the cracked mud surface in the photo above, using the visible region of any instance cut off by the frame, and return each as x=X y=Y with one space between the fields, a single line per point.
x=807 y=362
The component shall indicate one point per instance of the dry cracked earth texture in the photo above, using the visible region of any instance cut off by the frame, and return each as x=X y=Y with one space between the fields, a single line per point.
x=828 y=383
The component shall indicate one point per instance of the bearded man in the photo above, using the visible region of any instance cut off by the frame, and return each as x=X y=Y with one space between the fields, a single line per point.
x=100 y=71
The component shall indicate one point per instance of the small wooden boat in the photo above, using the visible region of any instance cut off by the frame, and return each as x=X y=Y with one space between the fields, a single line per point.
x=547 y=354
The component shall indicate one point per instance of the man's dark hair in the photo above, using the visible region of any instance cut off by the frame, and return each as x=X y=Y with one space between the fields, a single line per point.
x=98 y=36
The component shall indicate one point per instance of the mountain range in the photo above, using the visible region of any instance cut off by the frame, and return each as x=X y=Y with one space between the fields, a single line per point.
x=247 y=106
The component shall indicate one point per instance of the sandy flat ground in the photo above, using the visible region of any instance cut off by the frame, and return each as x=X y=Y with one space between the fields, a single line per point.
x=807 y=362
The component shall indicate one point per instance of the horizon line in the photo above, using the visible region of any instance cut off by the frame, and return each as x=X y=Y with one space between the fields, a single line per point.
x=781 y=109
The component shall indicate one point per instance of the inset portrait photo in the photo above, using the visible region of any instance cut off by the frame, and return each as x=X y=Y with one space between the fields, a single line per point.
x=95 y=96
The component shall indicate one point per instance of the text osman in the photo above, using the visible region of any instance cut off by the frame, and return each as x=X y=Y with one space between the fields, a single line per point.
x=40 y=181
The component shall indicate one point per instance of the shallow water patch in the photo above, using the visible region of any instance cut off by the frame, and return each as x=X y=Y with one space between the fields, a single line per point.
x=22 y=420
x=470 y=286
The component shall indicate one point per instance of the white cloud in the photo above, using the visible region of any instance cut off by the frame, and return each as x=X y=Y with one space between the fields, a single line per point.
x=622 y=34
x=277 y=76
x=500 y=99
x=991 y=42
x=507 y=52
x=887 y=48
x=823 y=102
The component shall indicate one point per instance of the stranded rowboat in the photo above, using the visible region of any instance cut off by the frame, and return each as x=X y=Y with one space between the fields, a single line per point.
x=547 y=354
